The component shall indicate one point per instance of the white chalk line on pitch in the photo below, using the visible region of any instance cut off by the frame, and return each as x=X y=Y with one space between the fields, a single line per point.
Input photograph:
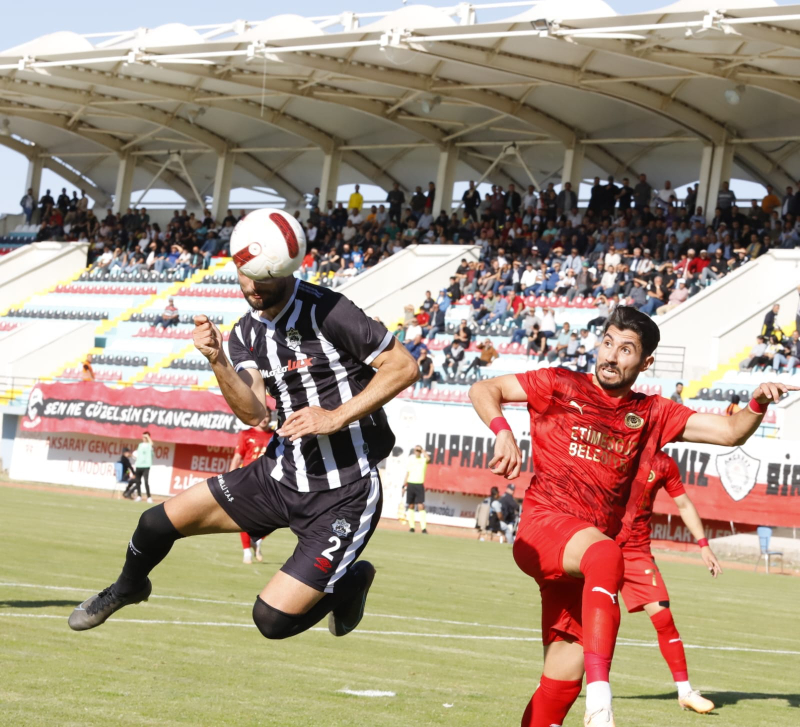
x=421 y=634
x=249 y=605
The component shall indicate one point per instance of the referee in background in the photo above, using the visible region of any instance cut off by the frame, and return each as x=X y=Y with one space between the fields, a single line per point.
x=414 y=488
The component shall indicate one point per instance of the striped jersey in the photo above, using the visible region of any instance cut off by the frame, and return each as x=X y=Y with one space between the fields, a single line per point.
x=317 y=352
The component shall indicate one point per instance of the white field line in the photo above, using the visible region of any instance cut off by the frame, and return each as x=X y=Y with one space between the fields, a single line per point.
x=366 y=693
x=368 y=632
x=250 y=605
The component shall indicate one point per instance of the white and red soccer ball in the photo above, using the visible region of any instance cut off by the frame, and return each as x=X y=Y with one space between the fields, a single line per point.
x=268 y=243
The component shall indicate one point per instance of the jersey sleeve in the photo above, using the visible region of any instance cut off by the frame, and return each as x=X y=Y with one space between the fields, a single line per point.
x=240 y=354
x=538 y=386
x=672 y=419
x=672 y=478
x=347 y=327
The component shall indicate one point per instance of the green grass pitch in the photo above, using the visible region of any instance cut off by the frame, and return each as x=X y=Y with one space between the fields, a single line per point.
x=450 y=629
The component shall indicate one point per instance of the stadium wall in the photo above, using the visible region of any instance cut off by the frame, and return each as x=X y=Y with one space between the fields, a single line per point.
x=384 y=290
x=724 y=319
x=37 y=267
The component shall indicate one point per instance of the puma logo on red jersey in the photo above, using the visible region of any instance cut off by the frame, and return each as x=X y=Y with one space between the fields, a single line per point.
x=612 y=596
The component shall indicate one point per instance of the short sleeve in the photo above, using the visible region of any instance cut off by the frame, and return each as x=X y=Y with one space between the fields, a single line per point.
x=240 y=354
x=672 y=418
x=538 y=386
x=673 y=484
x=346 y=326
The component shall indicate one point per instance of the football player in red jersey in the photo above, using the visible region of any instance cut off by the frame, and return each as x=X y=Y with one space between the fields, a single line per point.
x=252 y=443
x=643 y=588
x=592 y=438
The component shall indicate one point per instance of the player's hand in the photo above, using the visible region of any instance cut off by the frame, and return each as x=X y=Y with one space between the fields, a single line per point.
x=711 y=561
x=207 y=338
x=770 y=392
x=507 y=459
x=311 y=420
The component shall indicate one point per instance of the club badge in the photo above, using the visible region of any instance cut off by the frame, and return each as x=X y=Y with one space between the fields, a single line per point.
x=341 y=528
x=633 y=421
x=737 y=472
x=293 y=338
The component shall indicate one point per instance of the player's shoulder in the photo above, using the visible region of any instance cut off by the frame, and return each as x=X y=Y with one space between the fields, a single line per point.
x=315 y=293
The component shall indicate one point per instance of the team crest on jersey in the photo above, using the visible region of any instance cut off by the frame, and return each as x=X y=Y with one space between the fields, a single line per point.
x=633 y=421
x=651 y=476
x=293 y=337
x=737 y=473
x=341 y=527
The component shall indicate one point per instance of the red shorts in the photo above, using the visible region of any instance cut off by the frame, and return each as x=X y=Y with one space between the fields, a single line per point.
x=643 y=583
x=539 y=552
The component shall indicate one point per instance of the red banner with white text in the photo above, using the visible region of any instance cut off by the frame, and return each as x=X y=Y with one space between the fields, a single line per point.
x=192 y=417
x=756 y=484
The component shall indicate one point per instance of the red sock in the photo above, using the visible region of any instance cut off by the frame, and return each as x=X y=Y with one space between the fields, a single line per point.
x=550 y=702
x=669 y=641
x=245 y=540
x=602 y=569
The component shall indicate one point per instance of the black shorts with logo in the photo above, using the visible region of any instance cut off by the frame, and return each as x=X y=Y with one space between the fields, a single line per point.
x=332 y=526
x=415 y=494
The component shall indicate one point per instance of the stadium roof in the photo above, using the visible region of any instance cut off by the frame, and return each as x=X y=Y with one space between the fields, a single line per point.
x=635 y=93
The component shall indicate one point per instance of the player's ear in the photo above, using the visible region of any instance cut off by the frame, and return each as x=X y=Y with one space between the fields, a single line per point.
x=647 y=362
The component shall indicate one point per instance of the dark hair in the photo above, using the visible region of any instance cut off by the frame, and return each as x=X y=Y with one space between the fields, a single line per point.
x=494 y=491
x=627 y=318
x=735 y=399
x=147 y=433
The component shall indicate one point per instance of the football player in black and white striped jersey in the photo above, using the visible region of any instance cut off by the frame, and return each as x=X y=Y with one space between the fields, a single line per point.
x=330 y=369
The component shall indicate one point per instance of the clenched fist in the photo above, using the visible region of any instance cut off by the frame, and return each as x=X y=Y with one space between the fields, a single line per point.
x=207 y=338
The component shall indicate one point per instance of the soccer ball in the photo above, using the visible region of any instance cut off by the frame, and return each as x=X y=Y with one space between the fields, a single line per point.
x=268 y=243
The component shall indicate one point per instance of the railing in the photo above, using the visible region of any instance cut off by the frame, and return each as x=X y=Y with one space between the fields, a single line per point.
x=669 y=362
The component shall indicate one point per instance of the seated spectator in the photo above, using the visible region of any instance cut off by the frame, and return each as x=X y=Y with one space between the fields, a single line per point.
x=429 y=302
x=733 y=406
x=676 y=297
x=463 y=334
x=426 y=370
x=415 y=346
x=756 y=356
x=562 y=341
x=656 y=296
x=789 y=355
x=437 y=322
x=453 y=356
x=87 y=372
x=770 y=321
x=488 y=354
x=169 y=317
x=677 y=395
x=344 y=275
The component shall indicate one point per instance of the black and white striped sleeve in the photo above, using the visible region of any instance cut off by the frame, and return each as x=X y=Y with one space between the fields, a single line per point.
x=240 y=353
x=347 y=327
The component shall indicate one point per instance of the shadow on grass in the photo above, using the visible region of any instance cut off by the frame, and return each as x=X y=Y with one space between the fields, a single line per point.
x=725 y=699
x=37 y=604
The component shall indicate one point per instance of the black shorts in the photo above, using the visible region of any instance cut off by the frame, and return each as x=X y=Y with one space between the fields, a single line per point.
x=332 y=526
x=415 y=494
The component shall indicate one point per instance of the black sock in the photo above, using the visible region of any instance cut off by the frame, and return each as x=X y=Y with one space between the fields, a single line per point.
x=275 y=624
x=148 y=546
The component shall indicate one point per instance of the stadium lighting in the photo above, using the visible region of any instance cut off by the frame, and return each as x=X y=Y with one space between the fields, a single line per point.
x=734 y=95
x=429 y=105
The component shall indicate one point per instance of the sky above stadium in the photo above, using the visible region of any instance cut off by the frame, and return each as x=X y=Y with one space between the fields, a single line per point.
x=24 y=21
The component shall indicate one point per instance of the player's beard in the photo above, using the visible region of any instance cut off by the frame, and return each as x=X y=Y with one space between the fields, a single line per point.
x=622 y=382
x=268 y=293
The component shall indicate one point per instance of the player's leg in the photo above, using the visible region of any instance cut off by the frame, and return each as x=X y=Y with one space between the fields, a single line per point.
x=247 y=554
x=146 y=478
x=422 y=514
x=598 y=560
x=671 y=646
x=322 y=577
x=257 y=550
x=193 y=512
x=411 y=499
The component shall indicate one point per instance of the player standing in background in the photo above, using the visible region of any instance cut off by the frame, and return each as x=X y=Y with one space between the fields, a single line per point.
x=330 y=369
x=252 y=444
x=414 y=488
x=590 y=436
x=643 y=588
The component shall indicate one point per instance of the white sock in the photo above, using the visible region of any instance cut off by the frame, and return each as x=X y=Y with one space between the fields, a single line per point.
x=598 y=695
x=683 y=689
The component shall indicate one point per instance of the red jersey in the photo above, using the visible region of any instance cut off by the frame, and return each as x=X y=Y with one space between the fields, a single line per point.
x=635 y=533
x=252 y=444
x=587 y=446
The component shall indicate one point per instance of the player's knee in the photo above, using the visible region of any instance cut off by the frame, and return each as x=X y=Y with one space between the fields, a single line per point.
x=604 y=557
x=272 y=623
x=155 y=522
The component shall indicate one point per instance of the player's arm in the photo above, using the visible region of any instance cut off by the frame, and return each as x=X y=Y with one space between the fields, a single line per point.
x=396 y=370
x=691 y=518
x=488 y=397
x=737 y=429
x=236 y=462
x=244 y=391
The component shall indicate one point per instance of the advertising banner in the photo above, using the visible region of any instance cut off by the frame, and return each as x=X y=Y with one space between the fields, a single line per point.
x=194 y=463
x=83 y=460
x=192 y=417
x=756 y=484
